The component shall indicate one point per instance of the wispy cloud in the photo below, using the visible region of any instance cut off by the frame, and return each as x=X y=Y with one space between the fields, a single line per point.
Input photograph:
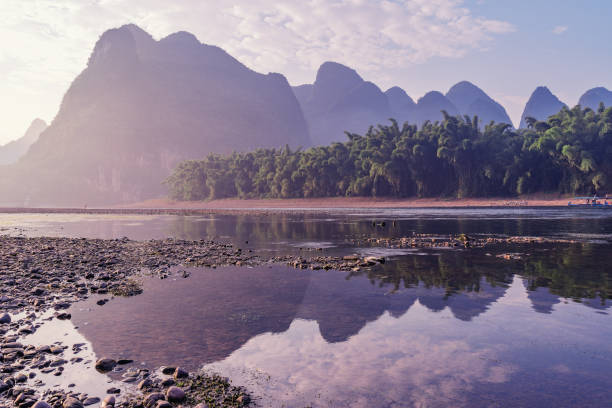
x=51 y=39
x=559 y=29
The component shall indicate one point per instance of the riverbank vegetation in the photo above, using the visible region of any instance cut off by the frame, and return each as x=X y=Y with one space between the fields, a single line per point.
x=569 y=153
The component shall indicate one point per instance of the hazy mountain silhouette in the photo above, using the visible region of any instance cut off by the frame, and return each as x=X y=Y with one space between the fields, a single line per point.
x=140 y=107
x=338 y=101
x=472 y=101
x=541 y=105
x=402 y=106
x=12 y=151
x=592 y=98
x=430 y=106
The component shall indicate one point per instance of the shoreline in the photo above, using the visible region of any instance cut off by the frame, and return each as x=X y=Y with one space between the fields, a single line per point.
x=332 y=203
x=164 y=206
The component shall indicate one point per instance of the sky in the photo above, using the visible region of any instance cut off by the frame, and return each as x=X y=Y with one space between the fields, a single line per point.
x=506 y=47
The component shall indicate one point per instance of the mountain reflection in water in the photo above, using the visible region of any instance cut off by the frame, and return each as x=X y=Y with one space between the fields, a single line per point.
x=429 y=330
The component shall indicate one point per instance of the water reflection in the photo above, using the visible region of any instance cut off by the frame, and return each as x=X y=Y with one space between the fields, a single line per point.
x=428 y=328
x=456 y=328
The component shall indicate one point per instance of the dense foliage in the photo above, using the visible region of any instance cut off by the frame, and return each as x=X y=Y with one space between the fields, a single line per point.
x=571 y=152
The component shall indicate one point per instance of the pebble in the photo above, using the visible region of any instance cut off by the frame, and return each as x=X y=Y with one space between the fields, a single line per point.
x=145 y=384
x=21 y=378
x=152 y=398
x=109 y=401
x=167 y=382
x=180 y=373
x=105 y=364
x=71 y=402
x=175 y=394
x=169 y=370
x=5 y=318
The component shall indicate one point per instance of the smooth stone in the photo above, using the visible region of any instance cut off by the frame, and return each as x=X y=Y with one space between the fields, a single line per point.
x=56 y=349
x=152 y=398
x=168 y=370
x=4 y=386
x=5 y=318
x=105 y=364
x=91 y=401
x=71 y=402
x=167 y=382
x=175 y=394
x=11 y=345
x=41 y=404
x=163 y=404
x=113 y=390
x=109 y=401
x=21 y=378
x=180 y=373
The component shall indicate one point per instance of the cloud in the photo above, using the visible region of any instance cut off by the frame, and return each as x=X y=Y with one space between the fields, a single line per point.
x=51 y=39
x=559 y=29
x=298 y=367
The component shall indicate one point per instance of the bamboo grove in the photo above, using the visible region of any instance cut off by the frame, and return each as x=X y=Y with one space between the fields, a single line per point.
x=569 y=153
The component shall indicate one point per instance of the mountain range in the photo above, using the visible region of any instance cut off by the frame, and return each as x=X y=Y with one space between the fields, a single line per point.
x=340 y=100
x=142 y=105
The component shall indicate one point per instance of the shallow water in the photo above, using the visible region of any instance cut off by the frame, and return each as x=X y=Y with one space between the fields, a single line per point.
x=429 y=328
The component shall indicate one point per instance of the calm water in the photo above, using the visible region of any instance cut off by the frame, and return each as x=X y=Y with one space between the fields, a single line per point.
x=430 y=328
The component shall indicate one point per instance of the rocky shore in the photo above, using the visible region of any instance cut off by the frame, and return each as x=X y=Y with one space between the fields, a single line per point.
x=40 y=278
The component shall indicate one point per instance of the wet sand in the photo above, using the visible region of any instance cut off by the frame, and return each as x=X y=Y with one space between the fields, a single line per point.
x=351 y=202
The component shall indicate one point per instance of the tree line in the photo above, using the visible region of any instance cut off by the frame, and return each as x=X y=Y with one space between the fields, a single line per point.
x=569 y=153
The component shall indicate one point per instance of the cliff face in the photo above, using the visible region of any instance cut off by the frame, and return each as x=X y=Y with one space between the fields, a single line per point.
x=13 y=151
x=140 y=107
